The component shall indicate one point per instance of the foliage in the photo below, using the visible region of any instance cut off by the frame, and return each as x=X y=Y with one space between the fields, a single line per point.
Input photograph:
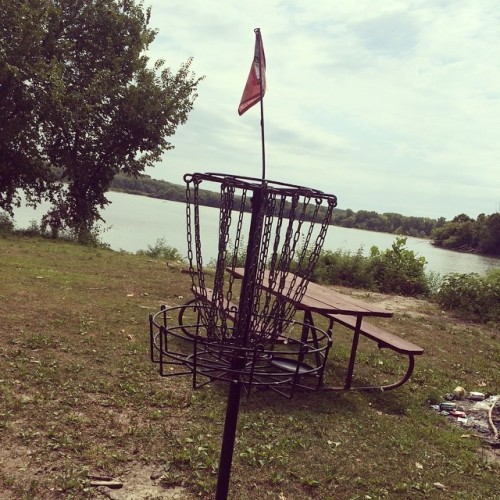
x=395 y=270
x=464 y=233
x=96 y=106
x=434 y=280
x=341 y=267
x=145 y=185
x=161 y=250
x=471 y=295
x=6 y=223
x=32 y=230
x=387 y=222
x=238 y=255
x=22 y=166
x=487 y=231
x=50 y=228
x=398 y=270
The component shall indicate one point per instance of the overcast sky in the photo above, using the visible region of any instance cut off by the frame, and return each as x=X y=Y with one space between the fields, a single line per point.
x=393 y=106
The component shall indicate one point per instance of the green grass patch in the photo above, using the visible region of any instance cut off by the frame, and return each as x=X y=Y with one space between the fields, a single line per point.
x=79 y=396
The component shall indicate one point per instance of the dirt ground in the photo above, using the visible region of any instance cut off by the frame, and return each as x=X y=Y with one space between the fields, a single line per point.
x=140 y=483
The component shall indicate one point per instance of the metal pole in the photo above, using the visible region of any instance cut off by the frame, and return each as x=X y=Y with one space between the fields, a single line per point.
x=239 y=360
x=229 y=436
x=251 y=267
x=261 y=83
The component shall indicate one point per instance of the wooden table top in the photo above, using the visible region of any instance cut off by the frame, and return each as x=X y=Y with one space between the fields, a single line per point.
x=324 y=300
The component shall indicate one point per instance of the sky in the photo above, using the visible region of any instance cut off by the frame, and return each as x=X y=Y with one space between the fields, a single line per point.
x=392 y=106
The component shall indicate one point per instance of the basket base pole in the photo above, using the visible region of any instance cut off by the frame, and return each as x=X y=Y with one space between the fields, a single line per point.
x=229 y=436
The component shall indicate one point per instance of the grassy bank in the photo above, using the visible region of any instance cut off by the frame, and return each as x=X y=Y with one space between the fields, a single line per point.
x=80 y=399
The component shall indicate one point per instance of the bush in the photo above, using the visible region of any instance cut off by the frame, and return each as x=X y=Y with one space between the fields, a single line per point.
x=6 y=224
x=471 y=295
x=161 y=250
x=239 y=255
x=433 y=280
x=399 y=270
x=63 y=234
x=32 y=230
x=396 y=270
x=340 y=267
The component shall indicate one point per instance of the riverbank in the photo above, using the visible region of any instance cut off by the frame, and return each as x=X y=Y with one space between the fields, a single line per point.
x=74 y=352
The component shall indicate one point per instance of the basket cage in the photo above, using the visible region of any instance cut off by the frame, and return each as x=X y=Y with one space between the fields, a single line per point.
x=283 y=368
x=270 y=238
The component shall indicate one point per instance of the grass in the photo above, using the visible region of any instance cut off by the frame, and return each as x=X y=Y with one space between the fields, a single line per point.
x=79 y=396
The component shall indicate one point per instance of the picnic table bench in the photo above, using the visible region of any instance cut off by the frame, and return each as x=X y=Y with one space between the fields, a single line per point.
x=384 y=339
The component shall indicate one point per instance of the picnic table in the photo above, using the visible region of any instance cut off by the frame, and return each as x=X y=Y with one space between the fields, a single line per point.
x=349 y=312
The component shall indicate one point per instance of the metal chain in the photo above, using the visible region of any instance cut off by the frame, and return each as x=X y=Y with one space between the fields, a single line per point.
x=277 y=250
x=226 y=205
x=237 y=239
x=261 y=318
x=189 y=228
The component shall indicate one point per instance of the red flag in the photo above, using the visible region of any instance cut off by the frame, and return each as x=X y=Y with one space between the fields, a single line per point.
x=255 y=87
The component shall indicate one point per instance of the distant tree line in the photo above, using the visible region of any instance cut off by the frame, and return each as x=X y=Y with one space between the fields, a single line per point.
x=162 y=190
x=421 y=227
x=481 y=235
x=363 y=219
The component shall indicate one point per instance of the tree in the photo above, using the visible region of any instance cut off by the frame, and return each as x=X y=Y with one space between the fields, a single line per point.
x=489 y=237
x=462 y=218
x=464 y=233
x=101 y=108
x=22 y=166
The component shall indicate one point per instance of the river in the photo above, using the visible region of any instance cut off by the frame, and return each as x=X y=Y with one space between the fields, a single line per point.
x=134 y=222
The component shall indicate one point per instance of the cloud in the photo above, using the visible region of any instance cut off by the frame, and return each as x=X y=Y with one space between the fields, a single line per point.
x=395 y=105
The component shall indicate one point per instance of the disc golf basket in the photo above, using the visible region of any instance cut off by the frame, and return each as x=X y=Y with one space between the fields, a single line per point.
x=240 y=325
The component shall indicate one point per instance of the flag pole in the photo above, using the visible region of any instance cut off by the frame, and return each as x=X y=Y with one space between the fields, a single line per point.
x=261 y=84
x=239 y=359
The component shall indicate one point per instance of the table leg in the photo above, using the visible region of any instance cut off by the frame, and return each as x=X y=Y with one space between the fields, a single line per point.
x=354 y=350
x=309 y=326
x=308 y=321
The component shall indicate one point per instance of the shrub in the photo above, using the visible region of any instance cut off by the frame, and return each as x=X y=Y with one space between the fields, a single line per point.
x=63 y=233
x=395 y=270
x=434 y=280
x=6 y=224
x=161 y=250
x=32 y=230
x=399 y=270
x=341 y=267
x=239 y=255
x=471 y=295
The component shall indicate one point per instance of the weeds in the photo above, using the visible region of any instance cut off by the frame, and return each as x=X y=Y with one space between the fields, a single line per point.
x=6 y=224
x=43 y=230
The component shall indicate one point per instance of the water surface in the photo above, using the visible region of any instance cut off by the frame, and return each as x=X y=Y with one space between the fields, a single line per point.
x=133 y=222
